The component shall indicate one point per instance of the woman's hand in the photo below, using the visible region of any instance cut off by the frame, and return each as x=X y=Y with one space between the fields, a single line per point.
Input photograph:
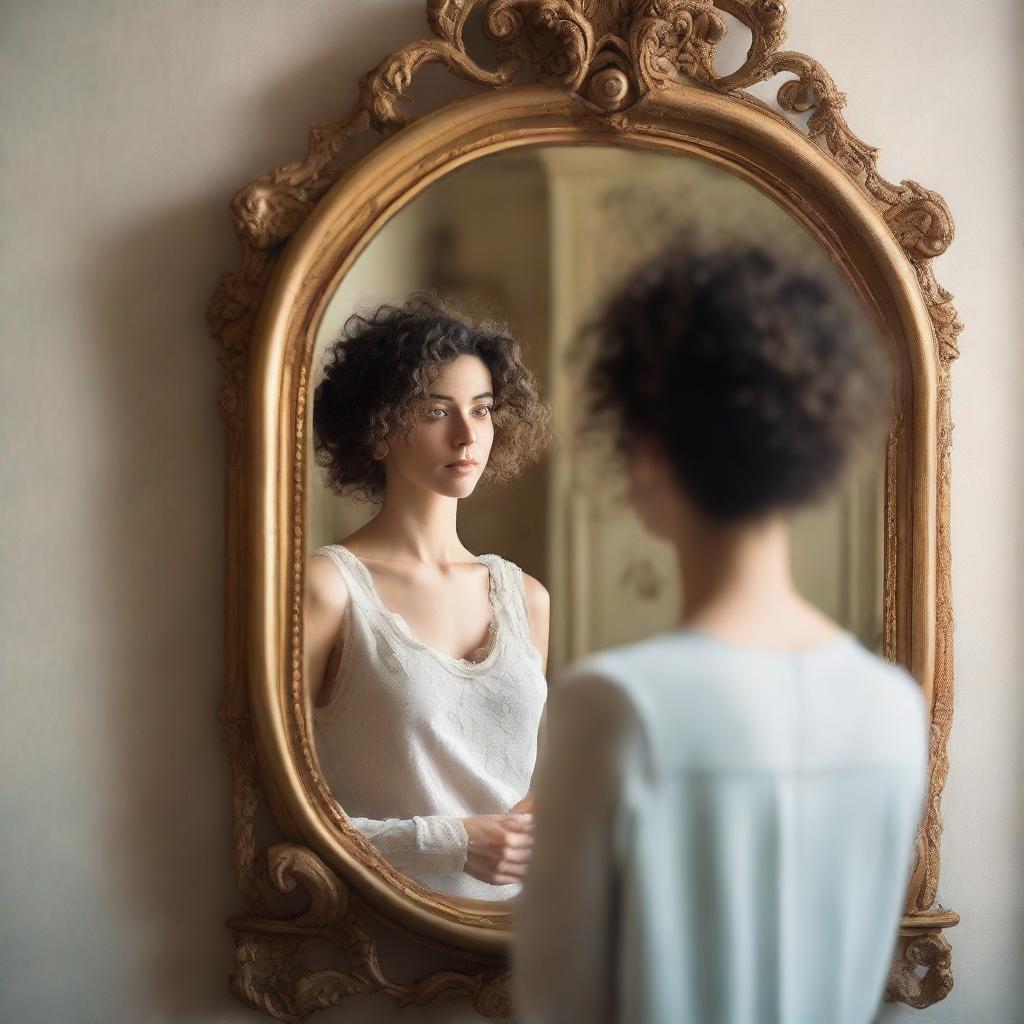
x=499 y=847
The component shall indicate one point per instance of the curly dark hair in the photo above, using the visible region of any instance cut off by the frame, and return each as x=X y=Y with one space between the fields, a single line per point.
x=759 y=380
x=379 y=372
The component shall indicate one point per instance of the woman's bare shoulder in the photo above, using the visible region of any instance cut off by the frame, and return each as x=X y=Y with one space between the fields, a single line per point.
x=538 y=615
x=538 y=611
x=325 y=585
x=538 y=600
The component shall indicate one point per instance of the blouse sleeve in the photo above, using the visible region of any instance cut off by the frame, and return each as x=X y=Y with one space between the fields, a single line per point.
x=425 y=845
x=566 y=915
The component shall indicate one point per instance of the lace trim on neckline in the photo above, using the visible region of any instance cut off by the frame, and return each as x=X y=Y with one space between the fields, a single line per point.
x=495 y=628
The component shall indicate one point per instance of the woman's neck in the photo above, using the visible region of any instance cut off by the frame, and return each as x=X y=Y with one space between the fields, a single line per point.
x=738 y=585
x=413 y=526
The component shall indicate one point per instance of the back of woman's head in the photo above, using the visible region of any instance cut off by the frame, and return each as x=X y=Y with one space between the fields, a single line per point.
x=757 y=380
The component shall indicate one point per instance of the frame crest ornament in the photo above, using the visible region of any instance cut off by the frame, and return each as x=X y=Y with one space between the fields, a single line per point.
x=575 y=69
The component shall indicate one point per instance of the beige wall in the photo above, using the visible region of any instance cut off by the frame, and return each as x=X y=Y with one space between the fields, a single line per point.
x=127 y=127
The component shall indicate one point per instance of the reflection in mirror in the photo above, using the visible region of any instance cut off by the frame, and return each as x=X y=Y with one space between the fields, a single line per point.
x=534 y=239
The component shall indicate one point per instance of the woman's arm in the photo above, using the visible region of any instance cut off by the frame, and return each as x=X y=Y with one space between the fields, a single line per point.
x=325 y=606
x=565 y=930
x=493 y=848
x=538 y=615
x=432 y=844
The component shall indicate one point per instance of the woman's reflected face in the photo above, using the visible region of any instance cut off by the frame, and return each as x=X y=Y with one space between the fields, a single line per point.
x=447 y=450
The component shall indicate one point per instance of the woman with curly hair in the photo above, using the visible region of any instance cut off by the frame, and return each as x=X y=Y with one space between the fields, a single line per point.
x=425 y=662
x=725 y=814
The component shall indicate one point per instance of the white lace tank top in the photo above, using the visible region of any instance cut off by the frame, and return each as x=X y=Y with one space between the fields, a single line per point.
x=413 y=739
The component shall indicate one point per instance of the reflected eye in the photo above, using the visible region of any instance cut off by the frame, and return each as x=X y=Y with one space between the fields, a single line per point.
x=436 y=413
x=482 y=411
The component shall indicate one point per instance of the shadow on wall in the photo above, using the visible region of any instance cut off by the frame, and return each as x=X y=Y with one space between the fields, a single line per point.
x=161 y=500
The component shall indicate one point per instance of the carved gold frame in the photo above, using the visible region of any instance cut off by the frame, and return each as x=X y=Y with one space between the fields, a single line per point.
x=622 y=72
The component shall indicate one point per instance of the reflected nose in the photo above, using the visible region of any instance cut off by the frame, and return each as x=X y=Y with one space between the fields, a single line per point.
x=465 y=435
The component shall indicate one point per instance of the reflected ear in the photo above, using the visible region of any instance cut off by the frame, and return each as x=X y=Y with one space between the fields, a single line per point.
x=381 y=451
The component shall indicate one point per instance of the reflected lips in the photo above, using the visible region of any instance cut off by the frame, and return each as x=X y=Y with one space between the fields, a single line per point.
x=463 y=465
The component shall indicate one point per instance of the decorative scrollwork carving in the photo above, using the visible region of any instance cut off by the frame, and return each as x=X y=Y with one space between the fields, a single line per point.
x=270 y=977
x=919 y=218
x=673 y=39
x=388 y=84
x=914 y=950
x=291 y=866
x=921 y=222
x=551 y=39
x=766 y=20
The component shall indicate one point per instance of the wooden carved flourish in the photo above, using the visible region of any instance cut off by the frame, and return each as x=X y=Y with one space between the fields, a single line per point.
x=929 y=950
x=673 y=38
x=546 y=38
x=270 y=977
x=611 y=53
x=919 y=218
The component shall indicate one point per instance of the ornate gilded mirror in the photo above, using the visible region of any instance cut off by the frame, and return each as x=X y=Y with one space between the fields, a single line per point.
x=604 y=129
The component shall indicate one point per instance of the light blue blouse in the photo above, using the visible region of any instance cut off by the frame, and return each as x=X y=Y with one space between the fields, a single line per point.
x=723 y=835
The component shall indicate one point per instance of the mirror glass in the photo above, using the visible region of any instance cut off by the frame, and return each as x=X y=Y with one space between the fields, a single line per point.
x=536 y=238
